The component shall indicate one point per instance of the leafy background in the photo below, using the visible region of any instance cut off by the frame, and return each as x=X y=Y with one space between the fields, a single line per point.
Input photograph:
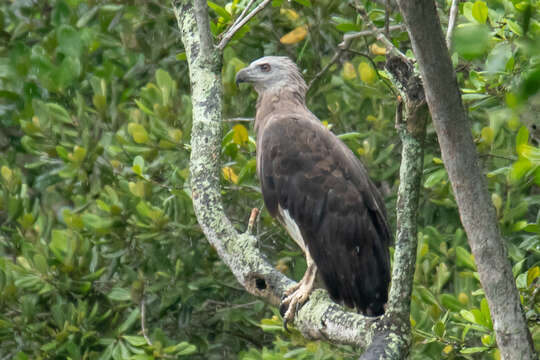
x=96 y=221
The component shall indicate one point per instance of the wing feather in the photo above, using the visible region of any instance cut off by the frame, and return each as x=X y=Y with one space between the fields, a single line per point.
x=308 y=171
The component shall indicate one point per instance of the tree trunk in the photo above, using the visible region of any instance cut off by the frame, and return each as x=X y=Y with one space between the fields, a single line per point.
x=461 y=161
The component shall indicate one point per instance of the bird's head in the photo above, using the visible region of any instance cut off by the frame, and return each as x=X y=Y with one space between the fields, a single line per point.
x=273 y=73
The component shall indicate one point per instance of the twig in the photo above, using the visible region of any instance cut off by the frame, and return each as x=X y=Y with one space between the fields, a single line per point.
x=241 y=22
x=326 y=67
x=252 y=218
x=143 y=322
x=235 y=119
x=244 y=12
x=354 y=35
x=387 y=18
x=451 y=23
x=378 y=33
x=384 y=81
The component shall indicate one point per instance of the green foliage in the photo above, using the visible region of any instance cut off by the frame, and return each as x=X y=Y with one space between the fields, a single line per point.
x=96 y=221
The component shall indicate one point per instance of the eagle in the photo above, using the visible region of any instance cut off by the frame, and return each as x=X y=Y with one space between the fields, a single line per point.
x=315 y=186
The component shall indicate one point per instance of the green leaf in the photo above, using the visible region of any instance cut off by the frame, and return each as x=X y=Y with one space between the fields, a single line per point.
x=514 y=27
x=484 y=308
x=467 y=315
x=427 y=295
x=138 y=165
x=88 y=15
x=138 y=132
x=522 y=137
x=69 y=41
x=520 y=168
x=58 y=113
x=119 y=294
x=306 y=3
x=480 y=11
x=166 y=84
x=96 y=223
x=435 y=178
x=220 y=11
x=131 y=319
x=465 y=258
x=471 y=41
x=439 y=329
x=183 y=348
x=135 y=340
x=62 y=245
x=450 y=302
x=474 y=350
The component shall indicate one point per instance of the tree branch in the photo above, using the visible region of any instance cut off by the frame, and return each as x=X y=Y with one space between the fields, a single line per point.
x=461 y=161
x=350 y=36
x=392 y=333
x=241 y=21
x=378 y=32
x=451 y=23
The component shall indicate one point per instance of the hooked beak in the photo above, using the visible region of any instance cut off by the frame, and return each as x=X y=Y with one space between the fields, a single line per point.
x=242 y=76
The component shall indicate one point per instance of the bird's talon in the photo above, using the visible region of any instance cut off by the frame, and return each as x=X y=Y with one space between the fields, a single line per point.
x=283 y=307
x=285 y=321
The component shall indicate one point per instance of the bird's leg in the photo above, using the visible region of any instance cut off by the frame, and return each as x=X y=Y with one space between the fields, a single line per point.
x=298 y=294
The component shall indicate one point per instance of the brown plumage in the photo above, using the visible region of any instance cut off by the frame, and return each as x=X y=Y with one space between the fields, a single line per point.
x=319 y=190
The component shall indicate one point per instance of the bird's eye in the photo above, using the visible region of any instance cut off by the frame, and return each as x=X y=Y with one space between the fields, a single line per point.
x=264 y=67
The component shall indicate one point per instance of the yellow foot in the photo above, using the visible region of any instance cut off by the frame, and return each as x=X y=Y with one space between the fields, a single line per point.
x=297 y=295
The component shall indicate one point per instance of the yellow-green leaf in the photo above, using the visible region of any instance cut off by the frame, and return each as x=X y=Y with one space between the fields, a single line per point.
x=79 y=154
x=377 y=50
x=295 y=36
x=488 y=135
x=367 y=73
x=497 y=201
x=6 y=173
x=138 y=132
x=532 y=274
x=529 y=152
x=289 y=13
x=480 y=12
x=175 y=135
x=349 y=72
x=240 y=135
x=137 y=188
x=230 y=175
x=520 y=168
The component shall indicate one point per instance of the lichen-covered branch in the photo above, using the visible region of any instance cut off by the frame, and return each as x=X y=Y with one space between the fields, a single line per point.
x=392 y=334
x=461 y=161
x=319 y=318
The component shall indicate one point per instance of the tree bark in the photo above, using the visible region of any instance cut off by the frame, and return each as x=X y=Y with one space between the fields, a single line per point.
x=461 y=162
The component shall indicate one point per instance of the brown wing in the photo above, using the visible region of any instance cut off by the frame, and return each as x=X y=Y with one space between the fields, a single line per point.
x=307 y=170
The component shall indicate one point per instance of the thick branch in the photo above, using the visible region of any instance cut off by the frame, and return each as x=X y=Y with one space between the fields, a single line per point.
x=461 y=161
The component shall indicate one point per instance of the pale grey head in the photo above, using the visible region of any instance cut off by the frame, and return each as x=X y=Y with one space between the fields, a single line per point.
x=273 y=73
